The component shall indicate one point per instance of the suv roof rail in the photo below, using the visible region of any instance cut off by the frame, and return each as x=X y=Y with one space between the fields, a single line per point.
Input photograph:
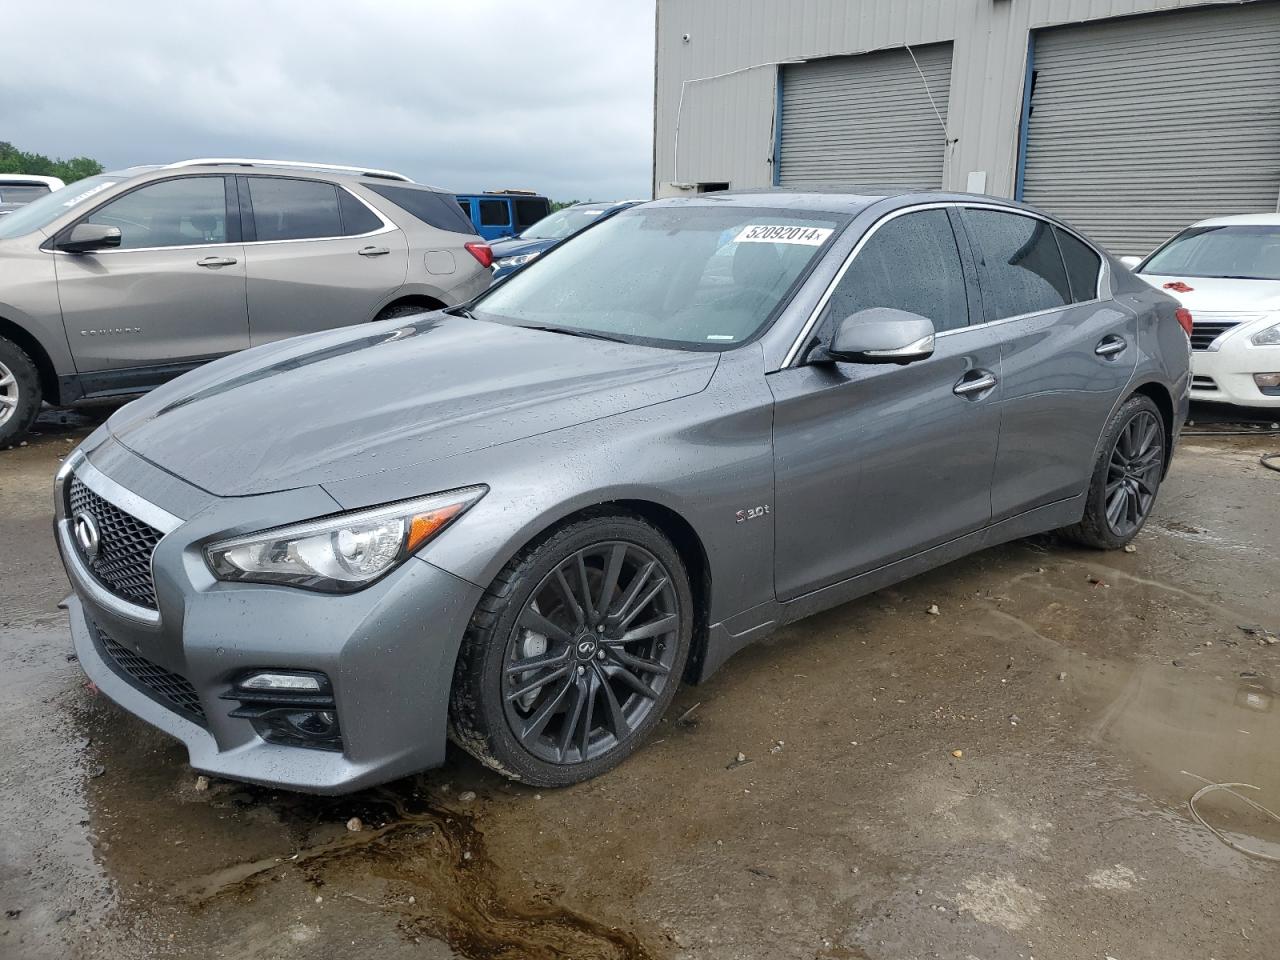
x=296 y=164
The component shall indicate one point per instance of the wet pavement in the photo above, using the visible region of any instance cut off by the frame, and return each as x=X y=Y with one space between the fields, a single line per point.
x=1008 y=778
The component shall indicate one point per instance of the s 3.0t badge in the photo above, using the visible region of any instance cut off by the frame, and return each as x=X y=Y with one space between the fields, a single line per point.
x=752 y=513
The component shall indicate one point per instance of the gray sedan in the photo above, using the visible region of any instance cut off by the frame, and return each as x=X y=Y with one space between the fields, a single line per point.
x=524 y=522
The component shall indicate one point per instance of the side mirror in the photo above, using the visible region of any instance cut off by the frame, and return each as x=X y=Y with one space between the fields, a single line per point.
x=882 y=335
x=87 y=237
x=1131 y=262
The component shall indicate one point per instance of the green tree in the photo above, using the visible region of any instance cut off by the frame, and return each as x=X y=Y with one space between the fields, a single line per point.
x=13 y=160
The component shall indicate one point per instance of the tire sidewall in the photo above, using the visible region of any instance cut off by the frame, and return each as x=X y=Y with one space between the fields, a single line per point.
x=29 y=395
x=513 y=756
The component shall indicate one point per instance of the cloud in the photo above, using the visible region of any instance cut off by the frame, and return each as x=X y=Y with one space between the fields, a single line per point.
x=557 y=97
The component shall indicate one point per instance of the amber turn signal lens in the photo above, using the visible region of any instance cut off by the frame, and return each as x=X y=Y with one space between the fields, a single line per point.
x=424 y=526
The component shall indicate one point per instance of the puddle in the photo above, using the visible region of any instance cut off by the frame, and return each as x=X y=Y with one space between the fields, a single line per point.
x=1185 y=730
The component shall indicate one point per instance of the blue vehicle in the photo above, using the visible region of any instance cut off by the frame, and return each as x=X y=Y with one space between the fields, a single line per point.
x=513 y=252
x=503 y=213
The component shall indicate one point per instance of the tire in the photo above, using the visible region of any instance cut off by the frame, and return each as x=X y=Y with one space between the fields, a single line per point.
x=20 y=395
x=401 y=310
x=598 y=692
x=1133 y=476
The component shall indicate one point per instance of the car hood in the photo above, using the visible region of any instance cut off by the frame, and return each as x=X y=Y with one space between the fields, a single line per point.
x=514 y=247
x=388 y=396
x=1218 y=295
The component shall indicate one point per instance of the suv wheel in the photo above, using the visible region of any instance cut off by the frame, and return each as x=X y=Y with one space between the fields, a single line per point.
x=19 y=393
x=574 y=652
x=1126 y=477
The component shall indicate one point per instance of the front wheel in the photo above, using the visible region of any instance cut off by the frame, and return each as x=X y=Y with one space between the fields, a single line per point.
x=574 y=652
x=19 y=393
x=1126 y=477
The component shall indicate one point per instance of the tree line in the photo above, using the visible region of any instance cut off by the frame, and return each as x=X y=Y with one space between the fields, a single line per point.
x=13 y=160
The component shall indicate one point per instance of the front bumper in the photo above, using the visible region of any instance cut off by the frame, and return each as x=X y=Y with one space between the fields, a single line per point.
x=1225 y=374
x=388 y=650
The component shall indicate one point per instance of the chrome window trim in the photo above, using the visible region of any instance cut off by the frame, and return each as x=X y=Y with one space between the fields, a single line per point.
x=793 y=352
x=81 y=577
x=387 y=226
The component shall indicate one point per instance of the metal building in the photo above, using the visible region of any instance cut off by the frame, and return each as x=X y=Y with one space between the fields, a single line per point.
x=1129 y=118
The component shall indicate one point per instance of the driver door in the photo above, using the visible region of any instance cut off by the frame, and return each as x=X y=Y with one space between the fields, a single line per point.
x=172 y=294
x=877 y=462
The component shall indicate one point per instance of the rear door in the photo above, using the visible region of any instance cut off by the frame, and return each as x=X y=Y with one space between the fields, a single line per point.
x=876 y=462
x=1067 y=354
x=172 y=293
x=318 y=256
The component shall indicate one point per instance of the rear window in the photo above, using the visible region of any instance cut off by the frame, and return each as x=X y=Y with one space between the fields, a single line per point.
x=1020 y=265
x=529 y=212
x=434 y=209
x=1083 y=266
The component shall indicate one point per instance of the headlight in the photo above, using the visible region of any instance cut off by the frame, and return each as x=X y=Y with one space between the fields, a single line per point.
x=343 y=553
x=517 y=261
x=1268 y=337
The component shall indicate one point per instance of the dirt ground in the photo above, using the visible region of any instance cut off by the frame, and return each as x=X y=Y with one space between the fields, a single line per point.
x=1008 y=778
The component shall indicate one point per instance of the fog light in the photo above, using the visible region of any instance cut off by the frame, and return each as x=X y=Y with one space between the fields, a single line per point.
x=1267 y=381
x=284 y=682
x=291 y=707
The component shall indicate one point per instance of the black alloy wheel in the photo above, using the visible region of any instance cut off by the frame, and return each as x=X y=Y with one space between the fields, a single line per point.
x=574 y=652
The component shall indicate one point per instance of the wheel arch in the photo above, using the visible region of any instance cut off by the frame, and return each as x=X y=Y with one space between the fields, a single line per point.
x=39 y=356
x=1159 y=395
x=422 y=300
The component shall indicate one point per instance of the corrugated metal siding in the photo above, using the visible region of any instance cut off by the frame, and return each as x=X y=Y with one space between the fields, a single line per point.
x=990 y=44
x=1143 y=126
x=869 y=119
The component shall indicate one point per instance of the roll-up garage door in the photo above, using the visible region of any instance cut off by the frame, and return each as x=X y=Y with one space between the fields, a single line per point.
x=869 y=119
x=1142 y=126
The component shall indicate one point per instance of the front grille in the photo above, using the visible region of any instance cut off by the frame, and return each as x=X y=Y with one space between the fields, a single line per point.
x=123 y=563
x=1204 y=332
x=167 y=688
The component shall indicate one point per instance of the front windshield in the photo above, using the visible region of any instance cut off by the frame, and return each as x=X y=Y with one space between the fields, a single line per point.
x=563 y=223
x=40 y=213
x=696 y=277
x=1237 y=252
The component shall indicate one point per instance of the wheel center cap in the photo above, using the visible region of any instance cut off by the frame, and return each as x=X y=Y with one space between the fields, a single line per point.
x=585 y=646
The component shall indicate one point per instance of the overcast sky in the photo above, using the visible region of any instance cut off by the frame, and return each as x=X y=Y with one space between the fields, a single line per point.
x=554 y=96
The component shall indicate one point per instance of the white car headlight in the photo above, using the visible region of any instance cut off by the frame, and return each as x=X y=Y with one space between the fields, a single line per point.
x=519 y=261
x=1267 y=337
x=343 y=553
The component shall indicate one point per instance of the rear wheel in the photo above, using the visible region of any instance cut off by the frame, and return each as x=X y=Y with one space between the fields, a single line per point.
x=574 y=652
x=19 y=392
x=1126 y=477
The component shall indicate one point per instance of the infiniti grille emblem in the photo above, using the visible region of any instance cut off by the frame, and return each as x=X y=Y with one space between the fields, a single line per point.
x=87 y=536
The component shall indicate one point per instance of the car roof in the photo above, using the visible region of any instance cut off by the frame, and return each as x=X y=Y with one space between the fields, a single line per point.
x=840 y=200
x=1257 y=219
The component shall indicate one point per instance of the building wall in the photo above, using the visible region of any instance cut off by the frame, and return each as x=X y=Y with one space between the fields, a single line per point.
x=728 y=73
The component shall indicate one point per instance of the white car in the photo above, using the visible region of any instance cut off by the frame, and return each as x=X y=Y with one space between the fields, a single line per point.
x=17 y=189
x=1226 y=271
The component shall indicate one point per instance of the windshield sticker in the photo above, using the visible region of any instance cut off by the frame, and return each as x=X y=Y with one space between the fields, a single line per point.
x=773 y=233
x=81 y=197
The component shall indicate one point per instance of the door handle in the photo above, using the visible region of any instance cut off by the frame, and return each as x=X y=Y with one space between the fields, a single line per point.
x=373 y=251
x=1111 y=345
x=969 y=385
x=216 y=262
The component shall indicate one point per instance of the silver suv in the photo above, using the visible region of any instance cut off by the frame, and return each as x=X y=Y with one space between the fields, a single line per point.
x=117 y=283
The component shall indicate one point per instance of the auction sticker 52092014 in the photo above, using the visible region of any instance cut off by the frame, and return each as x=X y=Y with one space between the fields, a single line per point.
x=778 y=233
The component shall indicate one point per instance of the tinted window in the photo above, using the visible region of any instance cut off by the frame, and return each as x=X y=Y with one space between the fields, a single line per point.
x=294 y=209
x=435 y=209
x=356 y=217
x=911 y=263
x=1083 y=266
x=1019 y=263
x=171 y=213
x=493 y=213
x=529 y=212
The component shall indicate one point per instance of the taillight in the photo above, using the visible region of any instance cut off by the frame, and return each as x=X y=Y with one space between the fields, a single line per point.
x=1184 y=319
x=481 y=252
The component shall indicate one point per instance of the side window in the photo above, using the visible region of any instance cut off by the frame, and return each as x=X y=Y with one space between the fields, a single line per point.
x=529 y=212
x=493 y=213
x=1083 y=266
x=356 y=217
x=1018 y=262
x=911 y=263
x=294 y=209
x=170 y=213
